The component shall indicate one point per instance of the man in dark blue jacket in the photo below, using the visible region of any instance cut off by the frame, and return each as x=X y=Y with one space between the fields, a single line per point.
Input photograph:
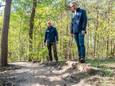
x=51 y=38
x=78 y=28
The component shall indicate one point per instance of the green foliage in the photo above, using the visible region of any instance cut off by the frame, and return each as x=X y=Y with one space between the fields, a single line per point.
x=57 y=11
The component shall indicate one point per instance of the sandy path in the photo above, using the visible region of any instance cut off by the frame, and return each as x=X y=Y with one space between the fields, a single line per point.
x=36 y=74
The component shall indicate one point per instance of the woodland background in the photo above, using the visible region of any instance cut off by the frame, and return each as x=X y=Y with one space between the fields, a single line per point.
x=28 y=24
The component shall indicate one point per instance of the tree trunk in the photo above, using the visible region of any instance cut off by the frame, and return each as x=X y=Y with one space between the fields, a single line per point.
x=113 y=52
x=109 y=27
x=95 y=36
x=31 y=28
x=4 y=40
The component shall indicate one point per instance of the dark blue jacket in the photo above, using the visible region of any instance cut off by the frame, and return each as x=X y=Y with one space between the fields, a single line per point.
x=51 y=35
x=79 y=21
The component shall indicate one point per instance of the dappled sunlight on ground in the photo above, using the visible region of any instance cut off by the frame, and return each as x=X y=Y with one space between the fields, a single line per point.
x=68 y=73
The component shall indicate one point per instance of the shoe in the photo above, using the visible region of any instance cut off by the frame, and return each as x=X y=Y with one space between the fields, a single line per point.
x=82 y=60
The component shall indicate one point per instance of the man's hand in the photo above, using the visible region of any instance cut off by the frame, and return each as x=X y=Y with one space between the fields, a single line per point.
x=83 y=32
x=72 y=35
x=45 y=43
x=56 y=42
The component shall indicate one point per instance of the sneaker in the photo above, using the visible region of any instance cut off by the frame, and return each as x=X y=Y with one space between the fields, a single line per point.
x=82 y=60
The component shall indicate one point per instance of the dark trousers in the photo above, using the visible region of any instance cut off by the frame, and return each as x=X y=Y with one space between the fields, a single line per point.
x=53 y=46
x=79 y=38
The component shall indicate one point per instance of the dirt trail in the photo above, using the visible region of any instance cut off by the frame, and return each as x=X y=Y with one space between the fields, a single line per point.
x=64 y=74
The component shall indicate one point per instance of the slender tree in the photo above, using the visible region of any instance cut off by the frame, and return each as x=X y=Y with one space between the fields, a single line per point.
x=31 y=28
x=4 y=40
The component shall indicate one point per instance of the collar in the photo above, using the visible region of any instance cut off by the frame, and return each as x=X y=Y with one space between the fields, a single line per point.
x=50 y=27
x=77 y=9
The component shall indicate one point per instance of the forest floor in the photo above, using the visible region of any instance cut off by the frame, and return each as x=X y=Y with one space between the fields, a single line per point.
x=69 y=73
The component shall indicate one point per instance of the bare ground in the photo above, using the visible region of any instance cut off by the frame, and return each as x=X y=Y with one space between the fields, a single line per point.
x=68 y=73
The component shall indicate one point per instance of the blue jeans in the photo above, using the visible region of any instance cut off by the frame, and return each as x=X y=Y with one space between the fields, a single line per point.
x=79 y=38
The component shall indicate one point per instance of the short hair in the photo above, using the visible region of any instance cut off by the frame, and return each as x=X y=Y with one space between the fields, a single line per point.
x=49 y=21
x=73 y=3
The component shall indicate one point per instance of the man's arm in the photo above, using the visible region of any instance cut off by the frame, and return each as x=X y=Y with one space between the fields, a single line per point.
x=56 y=34
x=71 y=28
x=84 y=23
x=45 y=37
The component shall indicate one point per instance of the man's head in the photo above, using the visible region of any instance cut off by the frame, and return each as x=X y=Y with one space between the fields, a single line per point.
x=49 y=23
x=73 y=6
